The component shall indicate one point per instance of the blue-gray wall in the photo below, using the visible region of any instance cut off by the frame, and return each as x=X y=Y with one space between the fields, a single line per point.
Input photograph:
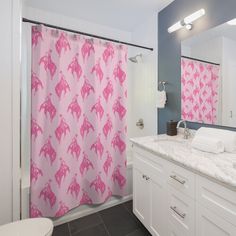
x=169 y=47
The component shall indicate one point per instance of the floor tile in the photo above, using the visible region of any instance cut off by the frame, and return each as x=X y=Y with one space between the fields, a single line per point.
x=84 y=223
x=140 y=232
x=98 y=230
x=61 y=230
x=129 y=206
x=118 y=221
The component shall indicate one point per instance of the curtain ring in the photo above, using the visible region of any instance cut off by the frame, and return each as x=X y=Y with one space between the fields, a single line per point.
x=74 y=36
x=54 y=32
x=38 y=27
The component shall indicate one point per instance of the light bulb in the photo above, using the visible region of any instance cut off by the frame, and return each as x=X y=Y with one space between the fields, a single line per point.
x=175 y=27
x=189 y=19
x=232 y=22
x=189 y=26
x=187 y=22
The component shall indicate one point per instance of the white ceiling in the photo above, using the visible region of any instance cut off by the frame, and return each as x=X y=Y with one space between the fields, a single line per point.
x=120 y=14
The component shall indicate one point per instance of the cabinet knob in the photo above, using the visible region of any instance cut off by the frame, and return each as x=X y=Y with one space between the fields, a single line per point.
x=146 y=177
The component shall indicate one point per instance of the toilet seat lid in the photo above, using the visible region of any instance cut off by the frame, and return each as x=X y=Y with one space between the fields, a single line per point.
x=28 y=227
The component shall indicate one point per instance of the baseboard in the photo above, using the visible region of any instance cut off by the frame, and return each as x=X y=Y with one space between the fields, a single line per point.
x=88 y=211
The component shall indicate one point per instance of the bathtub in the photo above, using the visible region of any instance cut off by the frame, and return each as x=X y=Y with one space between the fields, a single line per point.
x=82 y=210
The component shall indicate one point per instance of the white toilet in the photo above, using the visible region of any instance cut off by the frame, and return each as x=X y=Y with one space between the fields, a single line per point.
x=28 y=227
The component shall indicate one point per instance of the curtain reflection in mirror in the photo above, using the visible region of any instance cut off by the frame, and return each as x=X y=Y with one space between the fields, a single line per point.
x=199 y=91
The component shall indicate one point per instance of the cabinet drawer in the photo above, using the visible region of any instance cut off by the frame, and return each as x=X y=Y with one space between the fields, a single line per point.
x=150 y=157
x=155 y=171
x=217 y=198
x=182 y=180
x=140 y=164
x=181 y=213
x=175 y=230
x=208 y=223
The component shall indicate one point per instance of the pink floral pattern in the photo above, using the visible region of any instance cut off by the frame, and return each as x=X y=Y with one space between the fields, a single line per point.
x=78 y=123
x=199 y=91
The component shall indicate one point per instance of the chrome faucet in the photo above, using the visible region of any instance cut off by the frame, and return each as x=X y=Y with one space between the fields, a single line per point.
x=186 y=130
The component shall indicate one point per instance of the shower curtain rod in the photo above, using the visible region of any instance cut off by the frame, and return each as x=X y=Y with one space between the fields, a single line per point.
x=86 y=34
x=192 y=58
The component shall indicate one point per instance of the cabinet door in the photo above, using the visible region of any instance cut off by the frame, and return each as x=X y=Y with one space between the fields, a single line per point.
x=181 y=213
x=208 y=223
x=140 y=196
x=157 y=208
x=176 y=230
x=149 y=187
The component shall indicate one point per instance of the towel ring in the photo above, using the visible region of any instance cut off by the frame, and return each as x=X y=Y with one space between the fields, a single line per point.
x=163 y=83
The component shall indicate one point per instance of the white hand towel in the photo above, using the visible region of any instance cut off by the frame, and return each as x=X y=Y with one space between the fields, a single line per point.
x=227 y=137
x=161 y=99
x=208 y=144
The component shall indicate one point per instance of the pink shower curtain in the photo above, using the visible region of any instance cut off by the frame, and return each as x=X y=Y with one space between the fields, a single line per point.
x=199 y=91
x=78 y=122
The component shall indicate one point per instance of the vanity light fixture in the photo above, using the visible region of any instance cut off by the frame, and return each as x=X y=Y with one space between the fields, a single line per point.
x=187 y=21
x=232 y=22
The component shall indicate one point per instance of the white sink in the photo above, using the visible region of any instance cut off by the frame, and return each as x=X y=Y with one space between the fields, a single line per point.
x=170 y=141
x=234 y=165
x=173 y=145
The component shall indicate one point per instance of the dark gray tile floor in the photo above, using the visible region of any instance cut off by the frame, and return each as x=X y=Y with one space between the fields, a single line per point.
x=115 y=221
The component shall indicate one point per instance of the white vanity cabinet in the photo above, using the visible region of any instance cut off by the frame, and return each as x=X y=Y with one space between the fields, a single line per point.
x=173 y=201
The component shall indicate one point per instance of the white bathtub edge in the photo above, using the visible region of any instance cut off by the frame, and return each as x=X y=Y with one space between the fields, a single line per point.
x=88 y=211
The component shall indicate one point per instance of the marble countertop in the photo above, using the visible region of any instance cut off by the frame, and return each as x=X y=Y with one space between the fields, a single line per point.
x=221 y=167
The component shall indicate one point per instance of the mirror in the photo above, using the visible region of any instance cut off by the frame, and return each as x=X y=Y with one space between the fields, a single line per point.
x=208 y=76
